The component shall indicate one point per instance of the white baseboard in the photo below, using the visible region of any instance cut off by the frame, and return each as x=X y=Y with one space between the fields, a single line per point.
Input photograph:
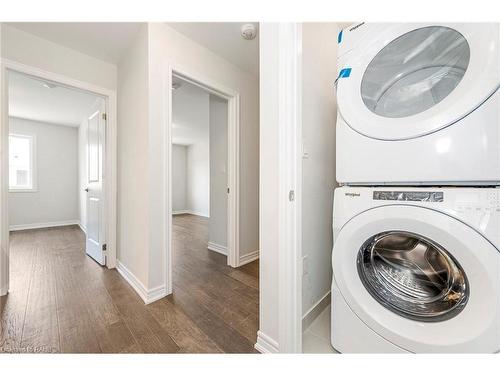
x=155 y=294
x=4 y=290
x=196 y=213
x=265 y=344
x=43 y=225
x=314 y=311
x=148 y=296
x=190 y=212
x=247 y=258
x=180 y=212
x=217 y=248
x=84 y=230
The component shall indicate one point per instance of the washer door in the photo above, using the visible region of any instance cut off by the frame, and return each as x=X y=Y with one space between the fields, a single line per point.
x=421 y=279
x=415 y=79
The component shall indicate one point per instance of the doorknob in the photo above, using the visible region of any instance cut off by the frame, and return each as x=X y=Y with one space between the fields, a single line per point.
x=86 y=189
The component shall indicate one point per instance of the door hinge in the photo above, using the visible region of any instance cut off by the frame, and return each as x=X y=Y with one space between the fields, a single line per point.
x=291 y=195
x=104 y=247
x=104 y=116
x=228 y=190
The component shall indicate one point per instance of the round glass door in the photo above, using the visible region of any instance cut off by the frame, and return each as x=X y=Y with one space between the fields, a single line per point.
x=415 y=71
x=412 y=276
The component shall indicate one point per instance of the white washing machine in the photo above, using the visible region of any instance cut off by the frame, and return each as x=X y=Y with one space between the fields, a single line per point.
x=416 y=270
x=419 y=104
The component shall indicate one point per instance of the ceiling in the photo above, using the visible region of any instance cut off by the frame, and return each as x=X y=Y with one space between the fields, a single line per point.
x=224 y=38
x=106 y=41
x=30 y=99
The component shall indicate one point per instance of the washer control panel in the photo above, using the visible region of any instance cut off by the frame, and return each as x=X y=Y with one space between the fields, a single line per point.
x=409 y=196
x=478 y=201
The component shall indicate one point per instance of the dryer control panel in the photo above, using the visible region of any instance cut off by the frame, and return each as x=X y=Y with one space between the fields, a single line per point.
x=409 y=196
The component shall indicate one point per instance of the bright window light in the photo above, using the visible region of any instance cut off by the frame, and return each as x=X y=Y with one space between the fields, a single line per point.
x=21 y=165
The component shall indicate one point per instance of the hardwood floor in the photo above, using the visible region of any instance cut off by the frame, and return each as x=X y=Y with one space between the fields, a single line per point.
x=63 y=301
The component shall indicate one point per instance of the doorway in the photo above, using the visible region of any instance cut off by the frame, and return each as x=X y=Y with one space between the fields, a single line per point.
x=218 y=291
x=227 y=102
x=199 y=161
x=58 y=176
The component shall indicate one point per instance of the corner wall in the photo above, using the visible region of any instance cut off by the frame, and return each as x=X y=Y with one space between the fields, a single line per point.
x=133 y=162
x=319 y=110
x=198 y=177
x=179 y=179
x=217 y=232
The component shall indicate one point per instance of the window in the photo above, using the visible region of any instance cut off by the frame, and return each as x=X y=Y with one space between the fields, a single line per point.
x=21 y=163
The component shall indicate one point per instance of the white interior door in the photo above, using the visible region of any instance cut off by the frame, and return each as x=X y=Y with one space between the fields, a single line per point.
x=95 y=236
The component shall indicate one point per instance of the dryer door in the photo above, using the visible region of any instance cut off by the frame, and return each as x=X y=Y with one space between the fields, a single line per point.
x=421 y=279
x=415 y=79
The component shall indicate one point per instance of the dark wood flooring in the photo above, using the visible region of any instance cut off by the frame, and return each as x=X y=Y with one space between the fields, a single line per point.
x=62 y=301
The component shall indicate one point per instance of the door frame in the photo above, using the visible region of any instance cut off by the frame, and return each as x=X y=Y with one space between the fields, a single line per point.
x=233 y=131
x=290 y=187
x=280 y=305
x=110 y=161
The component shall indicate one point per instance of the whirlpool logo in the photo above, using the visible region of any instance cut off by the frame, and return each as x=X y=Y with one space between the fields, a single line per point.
x=352 y=194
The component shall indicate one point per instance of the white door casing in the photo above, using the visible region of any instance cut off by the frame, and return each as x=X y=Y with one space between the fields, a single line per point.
x=95 y=225
x=480 y=80
x=475 y=328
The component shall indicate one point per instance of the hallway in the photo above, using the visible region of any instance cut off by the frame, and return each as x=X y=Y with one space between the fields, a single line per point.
x=62 y=301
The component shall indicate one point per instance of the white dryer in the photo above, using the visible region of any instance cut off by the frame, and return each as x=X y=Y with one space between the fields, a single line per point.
x=416 y=270
x=419 y=104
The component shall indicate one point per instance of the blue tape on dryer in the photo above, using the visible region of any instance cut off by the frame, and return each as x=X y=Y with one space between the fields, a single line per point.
x=344 y=73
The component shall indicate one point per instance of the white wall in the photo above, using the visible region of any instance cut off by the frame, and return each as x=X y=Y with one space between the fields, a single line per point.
x=179 y=178
x=217 y=233
x=319 y=64
x=190 y=117
x=56 y=197
x=133 y=160
x=198 y=178
x=167 y=46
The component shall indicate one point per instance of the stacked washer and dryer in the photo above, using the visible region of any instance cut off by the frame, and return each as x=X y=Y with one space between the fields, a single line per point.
x=416 y=221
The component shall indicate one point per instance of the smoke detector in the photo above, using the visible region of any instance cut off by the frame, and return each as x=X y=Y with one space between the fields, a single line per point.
x=248 y=31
